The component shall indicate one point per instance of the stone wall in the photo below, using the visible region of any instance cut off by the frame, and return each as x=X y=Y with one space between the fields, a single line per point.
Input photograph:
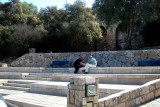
x=134 y=97
x=104 y=58
x=79 y=95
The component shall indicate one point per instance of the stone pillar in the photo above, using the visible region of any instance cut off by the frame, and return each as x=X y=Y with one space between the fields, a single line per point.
x=111 y=37
x=78 y=94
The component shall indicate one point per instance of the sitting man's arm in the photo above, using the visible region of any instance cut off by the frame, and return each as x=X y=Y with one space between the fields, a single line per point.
x=82 y=64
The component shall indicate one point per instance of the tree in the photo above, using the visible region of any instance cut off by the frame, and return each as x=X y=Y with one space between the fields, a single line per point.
x=83 y=23
x=29 y=8
x=17 y=24
x=127 y=12
x=4 y=40
x=21 y=43
x=151 y=33
x=71 y=29
x=16 y=7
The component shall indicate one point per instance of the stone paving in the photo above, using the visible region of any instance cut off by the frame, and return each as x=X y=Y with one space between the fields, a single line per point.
x=37 y=100
x=153 y=103
x=127 y=78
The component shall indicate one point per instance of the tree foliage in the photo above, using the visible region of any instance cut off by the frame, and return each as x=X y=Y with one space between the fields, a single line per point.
x=151 y=32
x=71 y=29
x=112 y=11
x=21 y=43
x=52 y=29
x=12 y=20
x=29 y=8
x=127 y=12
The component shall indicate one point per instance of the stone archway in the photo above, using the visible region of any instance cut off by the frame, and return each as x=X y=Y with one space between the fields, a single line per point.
x=109 y=40
x=102 y=43
x=111 y=37
x=121 y=39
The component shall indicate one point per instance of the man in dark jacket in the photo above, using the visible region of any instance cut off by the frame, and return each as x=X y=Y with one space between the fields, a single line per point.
x=78 y=64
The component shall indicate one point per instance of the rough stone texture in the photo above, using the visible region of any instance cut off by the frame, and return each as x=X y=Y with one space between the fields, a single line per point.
x=134 y=97
x=76 y=94
x=3 y=65
x=104 y=58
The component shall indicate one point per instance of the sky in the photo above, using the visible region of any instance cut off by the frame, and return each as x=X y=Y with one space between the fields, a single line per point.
x=59 y=3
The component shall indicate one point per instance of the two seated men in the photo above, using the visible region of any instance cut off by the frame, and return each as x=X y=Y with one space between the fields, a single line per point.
x=78 y=64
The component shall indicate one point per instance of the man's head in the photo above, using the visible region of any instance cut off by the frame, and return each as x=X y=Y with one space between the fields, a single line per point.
x=81 y=57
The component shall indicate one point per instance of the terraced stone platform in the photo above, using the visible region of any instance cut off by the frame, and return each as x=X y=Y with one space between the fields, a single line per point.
x=36 y=100
x=46 y=87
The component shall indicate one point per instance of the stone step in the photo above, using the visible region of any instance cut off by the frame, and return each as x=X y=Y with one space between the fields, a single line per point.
x=46 y=75
x=17 y=85
x=5 y=92
x=103 y=78
x=37 y=78
x=14 y=88
x=20 y=81
x=97 y=70
x=36 y=100
x=109 y=70
x=125 y=70
x=60 y=88
x=57 y=88
x=131 y=79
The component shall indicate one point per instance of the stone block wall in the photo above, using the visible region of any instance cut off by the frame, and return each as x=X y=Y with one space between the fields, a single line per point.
x=104 y=58
x=77 y=89
x=134 y=97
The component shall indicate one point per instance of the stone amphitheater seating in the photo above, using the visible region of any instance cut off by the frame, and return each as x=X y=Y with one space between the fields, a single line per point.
x=47 y=87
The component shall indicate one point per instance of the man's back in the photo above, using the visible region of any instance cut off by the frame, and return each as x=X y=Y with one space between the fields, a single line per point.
x=77 y=61
x=94 y=61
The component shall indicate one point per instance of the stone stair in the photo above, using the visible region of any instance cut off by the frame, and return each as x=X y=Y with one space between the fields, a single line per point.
x=97 y=70
x=36 y=100
x=16 y=85
x=38 y=76
x=34 y=83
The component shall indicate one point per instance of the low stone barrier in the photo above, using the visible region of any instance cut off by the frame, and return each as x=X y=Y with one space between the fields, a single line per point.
x=82 y=92
x=132 y=97
x=77 y=91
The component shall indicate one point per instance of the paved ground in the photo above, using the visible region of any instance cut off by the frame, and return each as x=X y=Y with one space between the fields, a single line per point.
x=36 y=100
x=153 y=103
x=117 y=86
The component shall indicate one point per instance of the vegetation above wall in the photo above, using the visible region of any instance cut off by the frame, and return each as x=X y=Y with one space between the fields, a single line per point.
x=75 y=28
x=22 y=27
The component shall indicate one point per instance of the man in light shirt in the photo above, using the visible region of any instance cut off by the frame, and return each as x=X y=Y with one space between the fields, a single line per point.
x=92 y=63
